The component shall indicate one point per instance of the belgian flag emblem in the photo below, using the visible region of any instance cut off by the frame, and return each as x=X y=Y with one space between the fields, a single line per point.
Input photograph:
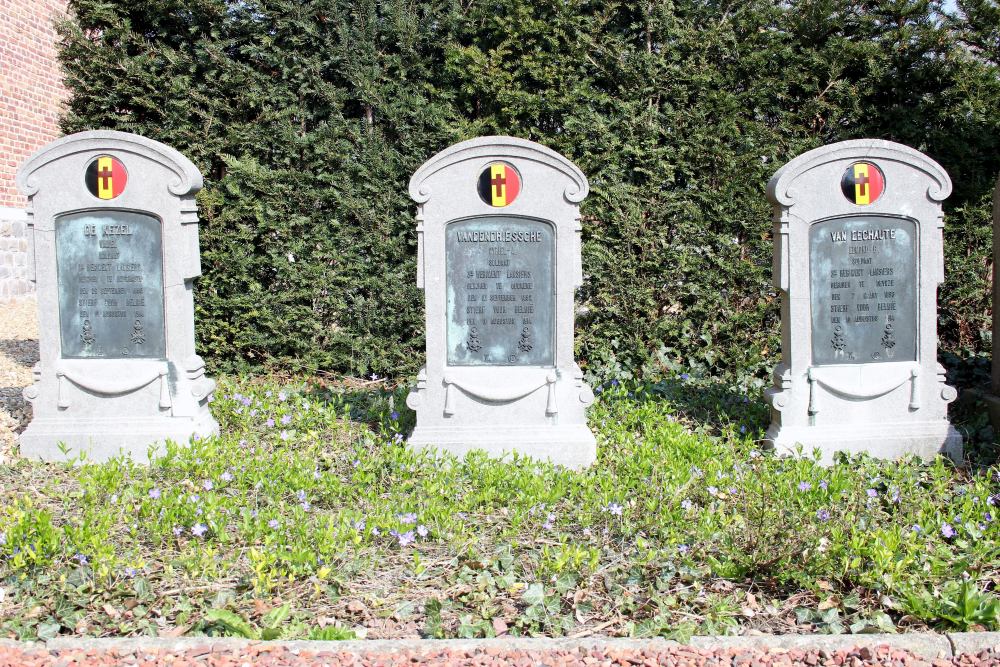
x=862 y=183
x=499 y=184
x=106 y=177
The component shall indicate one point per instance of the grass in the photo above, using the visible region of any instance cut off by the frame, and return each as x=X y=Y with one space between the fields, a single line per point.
x=309 y=518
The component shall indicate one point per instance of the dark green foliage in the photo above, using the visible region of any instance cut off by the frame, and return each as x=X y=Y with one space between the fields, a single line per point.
x=308 y=116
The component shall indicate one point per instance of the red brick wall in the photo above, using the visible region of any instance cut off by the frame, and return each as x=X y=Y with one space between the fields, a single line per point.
x=31 y=87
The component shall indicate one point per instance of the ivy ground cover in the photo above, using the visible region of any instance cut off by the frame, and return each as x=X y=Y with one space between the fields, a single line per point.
x=309 y=518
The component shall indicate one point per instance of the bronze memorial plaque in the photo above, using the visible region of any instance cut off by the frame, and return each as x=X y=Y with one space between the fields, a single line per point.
x=500 y=292
x=863 y=291
x=110 y=274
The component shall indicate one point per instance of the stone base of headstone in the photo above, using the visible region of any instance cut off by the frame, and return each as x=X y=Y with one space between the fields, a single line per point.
x=531 y=411
x=107 y=408
x=884 y=441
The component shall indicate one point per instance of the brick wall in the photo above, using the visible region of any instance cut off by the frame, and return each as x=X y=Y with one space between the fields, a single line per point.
x=31 y=94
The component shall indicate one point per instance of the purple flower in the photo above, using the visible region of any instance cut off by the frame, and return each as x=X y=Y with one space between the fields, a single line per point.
x=743 y=429
x=178 y=531
x=394 y=415
x=871 y=493
x=406 y=538
x=713 y=490
x=989 y=517
x=683 y=549
x=407 y=518
x=199 y=529
x=273 y=524
x=824 y=485
x=614 y=383
x=614 y=508
x=356 y=462
x=805 y=486
x=914 y=528
x=685 y=376
x=129 y=572
x=359 y=525
x=207 y=485
x=227 y=476
x=154 y=493
x=253 y=413
x=991 y=500
x=3 y=538
x=823 y=515
x=947 y=531
x=687 y=504
x=282 y=396
x=286 y=420
x=246 y=401
x=300 y=495
x=306 y=506
x=270 y=422
x=549 y=522
x=422 y=530
x=284 y=435
x=80 y=558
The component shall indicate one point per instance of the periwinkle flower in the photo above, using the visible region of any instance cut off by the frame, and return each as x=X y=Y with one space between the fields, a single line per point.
x=154 y=493
x=285 y=435
x=81 y=559
x=823 y=515
x=948 y=531
x=270 y=422
x=683 y=549
x=306 y=506
x=273 y=524
x=422 y=530
x=199 y=529
x=286 y=420
x=614 y=508
x=805 y=486
x=713 y=490
x=394 y=415
x=549 y=522
x=359 y=525
x=685 y=376
x=915 y=528
x=686 y=504
x=824 y=485
x=872 y=493
x=207 y=485
x=178 y=531
x=282 y=396
x=226 y=476
x=407 y=518
x=129 y=572
x=406 y=538
x=3 y=538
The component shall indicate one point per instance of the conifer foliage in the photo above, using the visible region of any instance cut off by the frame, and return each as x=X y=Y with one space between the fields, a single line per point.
x=308 y=117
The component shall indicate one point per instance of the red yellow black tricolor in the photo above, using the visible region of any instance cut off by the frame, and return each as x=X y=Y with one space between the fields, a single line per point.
x=106 y=177
x=862 y=183
x=499 y=184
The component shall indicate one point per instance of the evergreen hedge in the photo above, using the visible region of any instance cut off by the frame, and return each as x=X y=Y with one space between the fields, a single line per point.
x=308 y=117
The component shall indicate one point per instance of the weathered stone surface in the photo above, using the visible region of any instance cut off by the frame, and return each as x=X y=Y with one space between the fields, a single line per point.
x=858 y=259
x=135 y=380
x=500 y=374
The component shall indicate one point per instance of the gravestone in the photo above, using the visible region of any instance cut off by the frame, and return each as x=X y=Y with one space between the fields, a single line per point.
x=115 y=237
x=498 y=258
x=993 y=398
x=858 y=257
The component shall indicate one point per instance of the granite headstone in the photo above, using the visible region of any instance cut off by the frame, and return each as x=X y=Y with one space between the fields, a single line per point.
x=115 y=236
x=498 y=238
x=858 y=258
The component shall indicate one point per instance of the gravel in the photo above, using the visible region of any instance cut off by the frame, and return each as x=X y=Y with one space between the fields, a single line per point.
x=18 y=353
x=225 y=654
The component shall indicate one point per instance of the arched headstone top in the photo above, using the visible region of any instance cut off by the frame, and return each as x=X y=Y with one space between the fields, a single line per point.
x=187 y=181
x=484 y=149
x=781 y=188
